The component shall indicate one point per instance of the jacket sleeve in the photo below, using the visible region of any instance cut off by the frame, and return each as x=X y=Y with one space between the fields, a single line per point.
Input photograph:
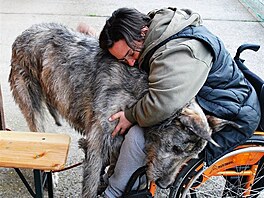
x=177 y=72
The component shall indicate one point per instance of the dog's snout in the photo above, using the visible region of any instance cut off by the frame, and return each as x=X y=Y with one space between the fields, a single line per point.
x=160 y=183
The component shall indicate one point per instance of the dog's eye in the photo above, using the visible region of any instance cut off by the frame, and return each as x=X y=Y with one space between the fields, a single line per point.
x=190 y=128
x=177 y=149
x=190 y=147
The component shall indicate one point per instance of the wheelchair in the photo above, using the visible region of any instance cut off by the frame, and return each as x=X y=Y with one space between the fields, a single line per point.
x=244 y=165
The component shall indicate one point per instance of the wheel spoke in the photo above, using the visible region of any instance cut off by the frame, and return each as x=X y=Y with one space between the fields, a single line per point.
x=228 y=186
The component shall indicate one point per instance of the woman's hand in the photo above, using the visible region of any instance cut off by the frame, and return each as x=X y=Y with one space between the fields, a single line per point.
x=123 y=123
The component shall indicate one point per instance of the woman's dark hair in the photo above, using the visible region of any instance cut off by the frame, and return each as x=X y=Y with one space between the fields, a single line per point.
x=125 y=23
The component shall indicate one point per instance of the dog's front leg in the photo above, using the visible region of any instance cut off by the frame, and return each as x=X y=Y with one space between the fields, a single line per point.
x=92 y=166
x=91 y=174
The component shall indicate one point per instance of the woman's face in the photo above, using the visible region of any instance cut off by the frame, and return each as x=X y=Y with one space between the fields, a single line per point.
x=124 y=53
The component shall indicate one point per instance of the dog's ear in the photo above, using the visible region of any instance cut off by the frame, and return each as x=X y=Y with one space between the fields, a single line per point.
x=218 y=124
x=196 y=123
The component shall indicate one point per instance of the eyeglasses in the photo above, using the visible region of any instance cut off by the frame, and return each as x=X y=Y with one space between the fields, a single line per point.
x=129 y=55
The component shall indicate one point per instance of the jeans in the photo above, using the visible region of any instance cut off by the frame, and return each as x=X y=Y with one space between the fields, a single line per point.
x=132 y=156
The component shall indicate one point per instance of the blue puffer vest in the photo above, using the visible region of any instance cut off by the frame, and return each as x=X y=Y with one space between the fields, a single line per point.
x=225 y=94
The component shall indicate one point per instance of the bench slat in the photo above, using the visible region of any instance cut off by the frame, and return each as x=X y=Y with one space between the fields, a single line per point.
x=43 y=151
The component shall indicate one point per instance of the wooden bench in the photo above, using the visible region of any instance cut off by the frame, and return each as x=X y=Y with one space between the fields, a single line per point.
x=38 y=151
x=42 y=152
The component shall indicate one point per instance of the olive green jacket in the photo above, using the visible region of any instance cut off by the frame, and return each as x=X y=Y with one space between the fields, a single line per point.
x=177 y=70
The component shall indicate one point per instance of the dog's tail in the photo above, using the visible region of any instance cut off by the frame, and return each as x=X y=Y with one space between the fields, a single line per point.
x=25 y=87
x=24 y=80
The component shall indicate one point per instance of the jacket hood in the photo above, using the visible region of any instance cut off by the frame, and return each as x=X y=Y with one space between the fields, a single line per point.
x=165 y=23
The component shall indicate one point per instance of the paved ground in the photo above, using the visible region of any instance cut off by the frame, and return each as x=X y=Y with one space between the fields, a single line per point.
x=229 y=19
x=256 y=7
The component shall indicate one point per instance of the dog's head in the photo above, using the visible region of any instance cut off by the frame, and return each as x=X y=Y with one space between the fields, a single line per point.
x=174 y=142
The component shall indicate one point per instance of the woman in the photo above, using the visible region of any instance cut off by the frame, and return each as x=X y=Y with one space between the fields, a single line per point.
x=184 y=60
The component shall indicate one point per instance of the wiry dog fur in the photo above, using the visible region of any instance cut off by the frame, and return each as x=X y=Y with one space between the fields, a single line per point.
x=67 y=72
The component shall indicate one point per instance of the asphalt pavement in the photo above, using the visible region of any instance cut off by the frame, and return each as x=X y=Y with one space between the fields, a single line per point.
x=231 y=20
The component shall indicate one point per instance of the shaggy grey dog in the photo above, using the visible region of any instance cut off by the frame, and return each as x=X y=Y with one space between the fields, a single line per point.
x=67 y=72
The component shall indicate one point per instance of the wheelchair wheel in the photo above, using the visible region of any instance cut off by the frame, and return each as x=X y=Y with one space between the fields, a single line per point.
x=239 y=173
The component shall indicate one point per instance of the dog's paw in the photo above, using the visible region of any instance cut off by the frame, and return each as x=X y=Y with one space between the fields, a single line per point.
x=55 y=179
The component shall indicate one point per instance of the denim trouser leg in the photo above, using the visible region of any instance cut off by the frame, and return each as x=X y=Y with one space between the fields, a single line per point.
x=132 y=156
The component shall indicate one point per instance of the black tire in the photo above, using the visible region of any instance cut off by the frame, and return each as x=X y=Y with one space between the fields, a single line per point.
x=217 y=186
